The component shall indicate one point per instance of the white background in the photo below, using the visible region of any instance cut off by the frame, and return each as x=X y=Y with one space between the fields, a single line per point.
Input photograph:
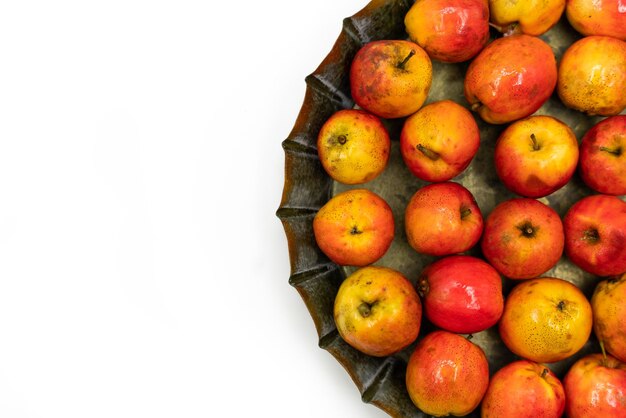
x=143 y=272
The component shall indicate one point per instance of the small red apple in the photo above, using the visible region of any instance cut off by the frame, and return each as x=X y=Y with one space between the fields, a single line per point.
x=511 y=78
x=390 y=78
x=524 y=389
x=595 y=234
x=595 y=386
x=443 y=219
x=447 y=374
x=523 y=238
x=354 y=228
x=439 y=141
x=377 y=311
x=461 y=294
x=603 y=155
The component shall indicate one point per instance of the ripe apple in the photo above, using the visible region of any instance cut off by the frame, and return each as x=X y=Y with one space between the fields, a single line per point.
x=592 y=76
x=449 y=30
x=511 y=78
x=608 y=304
x=377 y=311
x=595 y=386
x=595 y=234
x=353 y=146
x=354 y=228
x=447 y=375
x=545 y=320
x=532 y=17
x=461 y=294
x=524 y=389
x=598 y=17
x=603 y=156
x=439 y=141
x=523 y=238
x=536 y=156
x=443 y=219
x=390 y=78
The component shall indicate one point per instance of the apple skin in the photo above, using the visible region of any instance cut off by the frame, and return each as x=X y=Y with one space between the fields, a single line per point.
x=592 y=76
x=609 y=315
x=545 y=320
x=449 y=30
x=532 y=17
x=524 y=389
x=354 y=228
x=461 y=294
x=523 y=238
x=511 y=78
x=443 y=219
x=596 y=387
x=598 y=17
x=377 y=311
x=439 y=141
x=390 y=78
x=447 y=375
x=353 y=146
x=602 y=163
x=536 y=156
x=595 y=235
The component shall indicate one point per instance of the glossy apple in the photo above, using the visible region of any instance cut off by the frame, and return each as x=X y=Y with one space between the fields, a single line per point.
x=354 y=228
x=609 y=315
x=511 y=78
x=523 y=238
x=545 y=320
x=595 y=234
x=449 y=30
x=443 y=219
x=592 y=76
x=377 y=311
x=598 y=17
x=461 y=294
x=439 y=141
x=603 y=156
x=524 y=389
x=447 y=375
x=536 y=156
x=390 y=78
x=532 y=17
x=595 y=386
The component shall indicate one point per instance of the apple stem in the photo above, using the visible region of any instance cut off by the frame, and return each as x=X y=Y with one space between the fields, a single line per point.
x=545 y=372
x=527 y=229
x=591 y=235
x=428 y=152
x=617 y=151
x=603 y=353
x=561 y=305
x=342 y=139
x=404 y=61
x=476 y=106
x=423 y=286
x=365 y=309
x=465 y=212
x=469 y=337
x=535 y=143
x=355 y=231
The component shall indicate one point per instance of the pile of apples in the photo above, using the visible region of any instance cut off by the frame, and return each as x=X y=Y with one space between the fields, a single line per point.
x=541 y=320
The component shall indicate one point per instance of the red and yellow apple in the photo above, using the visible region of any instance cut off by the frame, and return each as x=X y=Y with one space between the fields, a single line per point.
x=354 y=228
x=447 y=375
x=532 y=17
x=598 y=17
x=461 y=294
x=390 y=78
x=523 y=238
x=595 y=386
x=439 y=141
x=595 y=234
x=449 y=30
x=536 y=156
x=608 y=304
x=443 y=219
x=545 y=320
x=603 y=156
x=524 y=389
x=353 y=146
x=511 y=78
x=377 y=311
x=592 y=76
